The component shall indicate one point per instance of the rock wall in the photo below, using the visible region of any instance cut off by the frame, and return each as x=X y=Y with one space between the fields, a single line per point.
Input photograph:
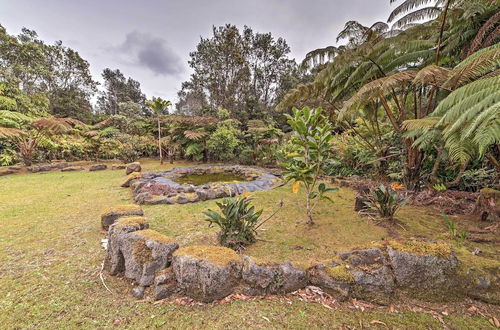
x=208 y=273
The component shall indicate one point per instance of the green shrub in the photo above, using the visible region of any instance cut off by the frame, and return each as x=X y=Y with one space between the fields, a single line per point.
x=238 y=222
x=223 y=143
x=386 y=201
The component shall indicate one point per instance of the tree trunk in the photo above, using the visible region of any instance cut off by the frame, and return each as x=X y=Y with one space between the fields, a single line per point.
x=441 y=31
x=159 y=141
x=310 y=220
x=414 y=158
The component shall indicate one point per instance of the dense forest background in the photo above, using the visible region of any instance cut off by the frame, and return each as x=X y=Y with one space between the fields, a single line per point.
x=412 y=100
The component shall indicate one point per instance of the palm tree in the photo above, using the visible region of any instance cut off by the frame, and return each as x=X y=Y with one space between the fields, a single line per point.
x=159 y=107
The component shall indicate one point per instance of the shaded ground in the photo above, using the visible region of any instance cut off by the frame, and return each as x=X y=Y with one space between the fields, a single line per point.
x=50 y=257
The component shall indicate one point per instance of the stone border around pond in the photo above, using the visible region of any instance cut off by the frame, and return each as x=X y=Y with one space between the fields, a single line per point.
x=161 y=188
x=208 y=273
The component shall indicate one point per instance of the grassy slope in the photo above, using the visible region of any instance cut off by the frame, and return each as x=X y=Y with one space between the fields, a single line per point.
x=50 y=259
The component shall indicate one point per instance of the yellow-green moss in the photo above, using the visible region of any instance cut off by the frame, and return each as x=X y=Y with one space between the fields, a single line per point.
x=154 y=236
x=141 y=252
x=216 y=254
x=130 y=177
x=489 y=192
x=130 y=221
x=439 y=249
x=123 y=210
x=340 y=273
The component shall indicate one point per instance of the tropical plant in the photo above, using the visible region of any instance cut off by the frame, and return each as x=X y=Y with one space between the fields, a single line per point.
x=238 y=222
x=386 y=201
x=223 y=142
x=159 y=106
x=311 y=137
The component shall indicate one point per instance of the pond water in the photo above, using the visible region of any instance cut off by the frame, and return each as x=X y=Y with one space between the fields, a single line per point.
x=201 y=179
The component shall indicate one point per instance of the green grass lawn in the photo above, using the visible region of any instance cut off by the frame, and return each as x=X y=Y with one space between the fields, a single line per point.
x=50 y=259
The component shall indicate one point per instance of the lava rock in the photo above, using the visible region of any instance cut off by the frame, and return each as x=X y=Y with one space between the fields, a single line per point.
x=98 y=167
x=423 y=271
x=142 y=252
x=206 y=273
x=138 y=292
x=319 y=276
x=72 y=169
x=118 y=166
x=109 y=216
x=133 y=167
x=271 y=278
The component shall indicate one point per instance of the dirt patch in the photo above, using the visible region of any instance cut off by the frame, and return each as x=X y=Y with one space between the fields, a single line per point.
x=450 y=202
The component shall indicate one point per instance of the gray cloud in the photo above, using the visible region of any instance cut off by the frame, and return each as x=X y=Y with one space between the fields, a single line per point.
x=152 y=52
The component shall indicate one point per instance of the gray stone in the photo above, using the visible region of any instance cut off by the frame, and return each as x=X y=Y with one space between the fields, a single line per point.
x=139 y=254
x=98 y=167
x=366 y=257
x=138 y=292
x=205 y=280
x=292 y=278
x=423 y=272
x=133 y=167
x=271 y=279
x=319 y=277
x=109 y=216
x=162 y=292
x=118 y=167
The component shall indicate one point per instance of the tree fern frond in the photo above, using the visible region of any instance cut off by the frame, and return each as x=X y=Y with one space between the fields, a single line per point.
x=418 y=15
x=432 y=75
x=405 y=7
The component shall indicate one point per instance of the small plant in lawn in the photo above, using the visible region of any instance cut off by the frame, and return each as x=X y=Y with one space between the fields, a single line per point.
x=386 y=201
x=455 y=232
x=311 y=139
x=238 y=222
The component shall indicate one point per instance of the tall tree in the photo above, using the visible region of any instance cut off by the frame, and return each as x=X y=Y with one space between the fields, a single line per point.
x=159 y=107
x=119 y=89
x=241 y=71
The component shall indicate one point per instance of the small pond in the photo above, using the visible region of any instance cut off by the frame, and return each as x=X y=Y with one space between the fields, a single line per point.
x=202 y=179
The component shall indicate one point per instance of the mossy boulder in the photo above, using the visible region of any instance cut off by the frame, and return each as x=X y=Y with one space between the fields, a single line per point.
x=114 y=261
x=109 y=216
x=130 y=179
x=334 y=279
x=372 y=274
x=423 y=266
x=270 y=278
x=206 y=273
x=132 y=167
x=139 y=254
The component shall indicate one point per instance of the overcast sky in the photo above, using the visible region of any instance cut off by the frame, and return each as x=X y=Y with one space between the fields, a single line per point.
x=150 y=40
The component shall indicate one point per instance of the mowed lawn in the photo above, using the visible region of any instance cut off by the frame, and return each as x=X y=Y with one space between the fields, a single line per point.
x=50 y=260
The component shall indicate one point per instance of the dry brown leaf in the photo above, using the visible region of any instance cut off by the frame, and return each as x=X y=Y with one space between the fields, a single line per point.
x=378 y=322
x=494 y=321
